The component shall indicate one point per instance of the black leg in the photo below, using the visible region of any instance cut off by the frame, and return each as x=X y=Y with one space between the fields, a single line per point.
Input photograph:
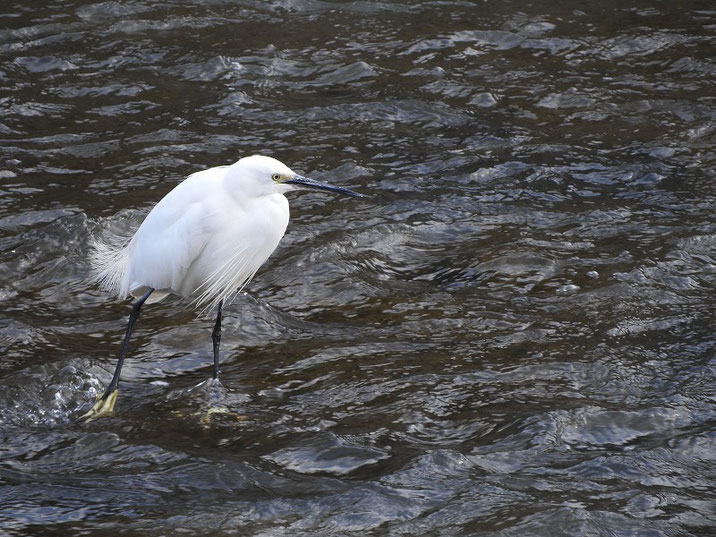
x=133 y=316
x=216 y=339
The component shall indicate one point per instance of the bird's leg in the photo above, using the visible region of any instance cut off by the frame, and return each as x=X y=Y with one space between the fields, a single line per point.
x=217 y=407
x=105 y=403
x=216 y=340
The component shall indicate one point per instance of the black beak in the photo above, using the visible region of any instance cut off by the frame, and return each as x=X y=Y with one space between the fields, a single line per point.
x=300 y=180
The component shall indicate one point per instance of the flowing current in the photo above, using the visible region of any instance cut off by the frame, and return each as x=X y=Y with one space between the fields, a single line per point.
x=513 y=335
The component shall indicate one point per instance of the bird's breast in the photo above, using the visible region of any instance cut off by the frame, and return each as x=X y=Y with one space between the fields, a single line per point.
x=242 y=237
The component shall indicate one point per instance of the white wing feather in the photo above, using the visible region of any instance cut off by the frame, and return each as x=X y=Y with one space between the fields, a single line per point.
x=196 y=242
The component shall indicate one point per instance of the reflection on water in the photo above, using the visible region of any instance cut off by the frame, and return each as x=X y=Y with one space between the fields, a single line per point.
x=512 y=335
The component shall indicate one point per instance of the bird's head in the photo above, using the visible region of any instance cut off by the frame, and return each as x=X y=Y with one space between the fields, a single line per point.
x=262 y=175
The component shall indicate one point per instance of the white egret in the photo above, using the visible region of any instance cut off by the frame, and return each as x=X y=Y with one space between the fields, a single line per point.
x=204 y=241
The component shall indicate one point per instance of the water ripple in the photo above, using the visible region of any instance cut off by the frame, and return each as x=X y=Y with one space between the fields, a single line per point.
x=511 y=334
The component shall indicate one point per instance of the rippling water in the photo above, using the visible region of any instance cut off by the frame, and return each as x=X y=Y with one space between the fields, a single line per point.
x=514 y=335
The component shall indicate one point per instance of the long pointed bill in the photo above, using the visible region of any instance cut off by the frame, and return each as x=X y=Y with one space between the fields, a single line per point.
x=300 y=180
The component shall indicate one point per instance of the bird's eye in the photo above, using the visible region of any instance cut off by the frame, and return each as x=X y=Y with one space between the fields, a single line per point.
x=276 y=177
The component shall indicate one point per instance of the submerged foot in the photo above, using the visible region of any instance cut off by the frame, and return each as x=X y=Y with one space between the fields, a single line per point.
x=216 y=411
x=217 y=408
x=103 y=407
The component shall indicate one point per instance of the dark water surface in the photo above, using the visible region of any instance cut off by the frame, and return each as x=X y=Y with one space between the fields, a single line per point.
x=514 y=335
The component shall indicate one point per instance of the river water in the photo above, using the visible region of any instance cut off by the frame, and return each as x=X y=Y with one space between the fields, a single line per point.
x=512 y=335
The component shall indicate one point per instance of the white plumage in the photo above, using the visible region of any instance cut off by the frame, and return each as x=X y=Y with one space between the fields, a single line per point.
x=204 y=241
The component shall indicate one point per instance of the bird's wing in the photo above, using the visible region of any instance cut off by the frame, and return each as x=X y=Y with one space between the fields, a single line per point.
x=174 y=234
x=165 y=246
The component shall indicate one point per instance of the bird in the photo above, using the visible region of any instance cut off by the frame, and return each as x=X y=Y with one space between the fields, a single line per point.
x=203 y=241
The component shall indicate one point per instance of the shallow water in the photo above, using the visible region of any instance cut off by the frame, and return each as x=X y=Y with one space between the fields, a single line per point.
x=514 y=335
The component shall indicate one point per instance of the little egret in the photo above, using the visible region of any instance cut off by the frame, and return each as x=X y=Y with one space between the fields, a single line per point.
x=204 y=240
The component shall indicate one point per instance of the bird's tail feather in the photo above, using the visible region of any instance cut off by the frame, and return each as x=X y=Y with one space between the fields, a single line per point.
x=109 y=260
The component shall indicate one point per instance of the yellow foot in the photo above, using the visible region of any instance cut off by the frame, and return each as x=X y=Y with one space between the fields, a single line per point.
x=206 y=420
x=103 y=407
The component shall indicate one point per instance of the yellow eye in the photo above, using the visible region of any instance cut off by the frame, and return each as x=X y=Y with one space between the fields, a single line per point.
x=276 y=177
